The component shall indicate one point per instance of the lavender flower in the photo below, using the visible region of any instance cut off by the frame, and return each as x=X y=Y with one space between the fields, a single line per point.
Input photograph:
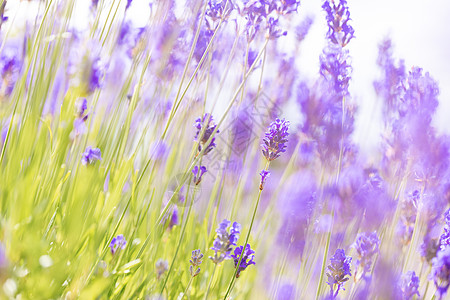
x=264 y=174
x=440 y=272
x=337 y=270
x=247 y=258
x=97 y=72
x=196 y=261
x=224 y=241
x=117 y=243
x=217 y=10
x=79 y=126
x=198 y=174
x=161 y=267
x=206 y=127
x=90 y=156
x=10 y=66
x=409 y=285
x=338 y=15
x=444 y=240
x=274 y=30
x=128 y=4
x=275 y=139
x=366 y=246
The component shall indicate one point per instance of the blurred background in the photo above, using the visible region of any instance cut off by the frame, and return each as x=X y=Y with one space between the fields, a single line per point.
x=418 y=29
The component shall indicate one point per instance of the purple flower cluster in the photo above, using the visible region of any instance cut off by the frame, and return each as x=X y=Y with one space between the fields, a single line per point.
x=196 y=261
x=79 y=124
x=338 y=270
x=444 y=240
x=10 y=66
x=440 y=272
x=117 y=243
x=264 y=174
x=205 y=128
x=409 y=285
x=247 y=258
x=366 y=246
x=275 y=139
x=198 y=173
x=262 y=11
x=90 y=156
x=338 y=15
x=224 y=242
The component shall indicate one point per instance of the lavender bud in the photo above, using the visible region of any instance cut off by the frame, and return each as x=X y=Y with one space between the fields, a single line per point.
x=247 y=258
x=90 y=156
x=275 y=139
x=117 y=243
x=338 y=269
x=366 y=246
x=409 y=285
x=198 y=175
x=196 y=260
x=207 y=126
x=161 y=267
x=264 y=174
x=224 y=241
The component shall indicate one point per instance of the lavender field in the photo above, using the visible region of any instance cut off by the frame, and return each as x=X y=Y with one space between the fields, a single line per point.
x=172 y=149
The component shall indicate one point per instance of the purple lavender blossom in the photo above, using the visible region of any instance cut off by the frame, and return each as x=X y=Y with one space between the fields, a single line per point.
x=408 y=210
x=247 y=258
x=10 y=66
x=409 y=285
x=217 y=10
x=96 y=75
x=274 y=30
x=81 y=107
x=224 y=241
x=440 y=272
x=275 y=139
x=196 y=261
x=117 y=243
x=161 y=267
x=337 y=270
x=90 y=156
x=206 y=127
x=444 y=240
x=264 y=174
x=128 y=4
x=366 y=246
x=335 y=69
x=338 y=15
x=79 y=126
x=198 y=174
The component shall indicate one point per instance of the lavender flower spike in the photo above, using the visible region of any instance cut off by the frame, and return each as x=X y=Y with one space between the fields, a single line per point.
x=440 y=272
x=409 y=285
x=275 y=139
x=264 y=174
x=196 y=261
x=337 y=270
x=90 y=156
x=117 y=243
x=366 y=246
x=224 y=241
x=339 y=31
x=208 y=127
x=247 y=258
x=198 y=175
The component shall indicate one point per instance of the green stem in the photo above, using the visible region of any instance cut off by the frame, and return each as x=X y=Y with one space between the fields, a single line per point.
x=230 y=286
x=324 y=262
x=187 y=287
x=210 y=282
